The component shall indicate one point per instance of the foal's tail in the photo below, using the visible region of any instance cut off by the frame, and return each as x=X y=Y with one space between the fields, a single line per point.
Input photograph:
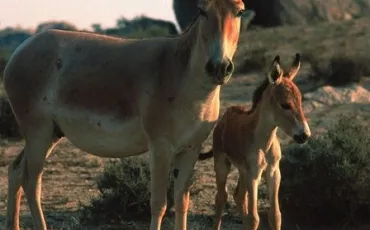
x=205 y=156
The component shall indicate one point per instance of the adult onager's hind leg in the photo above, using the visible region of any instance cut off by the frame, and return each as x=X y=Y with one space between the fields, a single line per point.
x=273 y=183
x=183 y=169
x=222 y=166
x=14 y=192
x=26 y=171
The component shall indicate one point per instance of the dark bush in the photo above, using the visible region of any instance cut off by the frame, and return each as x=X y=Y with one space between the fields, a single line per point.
x=124 y=192
x=327 y=181
x=339 y=70
x=60 y=25
x=8 y=124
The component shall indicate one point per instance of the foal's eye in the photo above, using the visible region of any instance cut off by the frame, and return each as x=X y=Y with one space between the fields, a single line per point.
x=286 y=106
x=240 y=13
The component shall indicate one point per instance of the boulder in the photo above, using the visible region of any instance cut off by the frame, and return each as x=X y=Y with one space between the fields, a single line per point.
x=328 y=95
x=270 y=13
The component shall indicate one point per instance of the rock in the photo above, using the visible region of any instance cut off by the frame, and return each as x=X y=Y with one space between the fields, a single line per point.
x=329 y=95
x=270 y=13
x=186 y=11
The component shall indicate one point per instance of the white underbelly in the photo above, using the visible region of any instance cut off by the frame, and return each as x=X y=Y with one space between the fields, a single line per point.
x=102 y=135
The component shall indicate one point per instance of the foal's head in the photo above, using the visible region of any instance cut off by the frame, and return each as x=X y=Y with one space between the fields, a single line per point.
x=219 y=24
x=286 y=100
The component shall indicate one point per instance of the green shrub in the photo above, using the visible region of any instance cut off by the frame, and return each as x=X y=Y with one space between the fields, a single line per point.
x=327 y=180
x=124 y=192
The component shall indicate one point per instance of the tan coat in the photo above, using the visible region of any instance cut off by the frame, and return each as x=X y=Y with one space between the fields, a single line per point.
x=117 y=97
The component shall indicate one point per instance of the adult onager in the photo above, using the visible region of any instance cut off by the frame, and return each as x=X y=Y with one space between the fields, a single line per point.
x=248 y=140
x=116 y=97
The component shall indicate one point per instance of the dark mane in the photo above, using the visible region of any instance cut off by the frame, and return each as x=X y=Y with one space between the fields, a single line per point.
x=257 y=94
x=186 y=40
x=191 y=24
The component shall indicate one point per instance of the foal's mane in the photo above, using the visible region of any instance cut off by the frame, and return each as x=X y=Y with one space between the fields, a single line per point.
x=257 y=94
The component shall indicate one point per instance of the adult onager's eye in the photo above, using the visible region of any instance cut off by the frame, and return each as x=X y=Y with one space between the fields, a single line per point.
x=202 y=12
x=240 y=13
x=286 y=106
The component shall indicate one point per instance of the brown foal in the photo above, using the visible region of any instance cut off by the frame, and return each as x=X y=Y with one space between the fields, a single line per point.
x=247 y=139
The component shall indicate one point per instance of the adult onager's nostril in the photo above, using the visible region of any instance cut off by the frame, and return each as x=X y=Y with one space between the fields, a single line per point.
x=210 y=68
x=229 y=68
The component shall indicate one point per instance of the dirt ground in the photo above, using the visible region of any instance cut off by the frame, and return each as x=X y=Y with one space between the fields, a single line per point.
x=69 y=177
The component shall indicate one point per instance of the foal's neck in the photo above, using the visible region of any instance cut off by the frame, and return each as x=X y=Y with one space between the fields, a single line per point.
x=265 y=129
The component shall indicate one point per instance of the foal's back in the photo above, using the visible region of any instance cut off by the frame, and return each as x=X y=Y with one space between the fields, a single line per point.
x=234 y=132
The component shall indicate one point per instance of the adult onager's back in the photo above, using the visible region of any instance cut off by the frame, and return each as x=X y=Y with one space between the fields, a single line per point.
x=248 y=140
x=114 y=98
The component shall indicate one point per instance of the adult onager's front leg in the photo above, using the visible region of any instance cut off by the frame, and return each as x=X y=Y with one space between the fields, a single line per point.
x=160 y=164
x=222 y=167
x=273 y=183
x=183 y=169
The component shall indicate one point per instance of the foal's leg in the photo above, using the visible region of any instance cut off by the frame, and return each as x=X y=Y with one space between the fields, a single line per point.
x=160 y=163
x=253 y=178
x=241 y=197
x=183 y=169
x=273 y=184
x=222 y=166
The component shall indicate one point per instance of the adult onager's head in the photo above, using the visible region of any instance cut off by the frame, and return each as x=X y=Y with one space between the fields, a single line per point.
x=248 y=140
x=283 y=100
x=221 y=20
x=115 y=97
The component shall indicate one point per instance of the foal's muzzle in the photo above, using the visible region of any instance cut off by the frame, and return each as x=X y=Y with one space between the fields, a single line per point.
x=301 y=138
x=220 y=72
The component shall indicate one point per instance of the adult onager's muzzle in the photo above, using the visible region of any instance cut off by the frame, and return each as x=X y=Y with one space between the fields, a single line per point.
x=220 y=72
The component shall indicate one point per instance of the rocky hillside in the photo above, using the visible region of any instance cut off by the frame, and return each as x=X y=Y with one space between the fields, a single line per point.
x=271 y=13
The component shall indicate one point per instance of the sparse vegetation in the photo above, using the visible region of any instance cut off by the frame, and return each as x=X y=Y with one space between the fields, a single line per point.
x=327 y=181
x=125 y=192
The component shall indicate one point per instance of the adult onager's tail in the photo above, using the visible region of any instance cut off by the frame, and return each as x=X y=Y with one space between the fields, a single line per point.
x=206 y=155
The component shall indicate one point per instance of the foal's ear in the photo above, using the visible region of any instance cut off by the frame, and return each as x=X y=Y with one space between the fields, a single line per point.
x=276 y=73
x=295 y=67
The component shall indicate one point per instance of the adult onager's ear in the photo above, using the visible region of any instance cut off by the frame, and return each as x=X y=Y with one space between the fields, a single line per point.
x=295 y=67
x=276 y=72
x=202 y=4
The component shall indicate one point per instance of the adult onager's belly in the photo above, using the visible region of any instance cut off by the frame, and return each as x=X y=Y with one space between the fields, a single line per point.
x=102 y=135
